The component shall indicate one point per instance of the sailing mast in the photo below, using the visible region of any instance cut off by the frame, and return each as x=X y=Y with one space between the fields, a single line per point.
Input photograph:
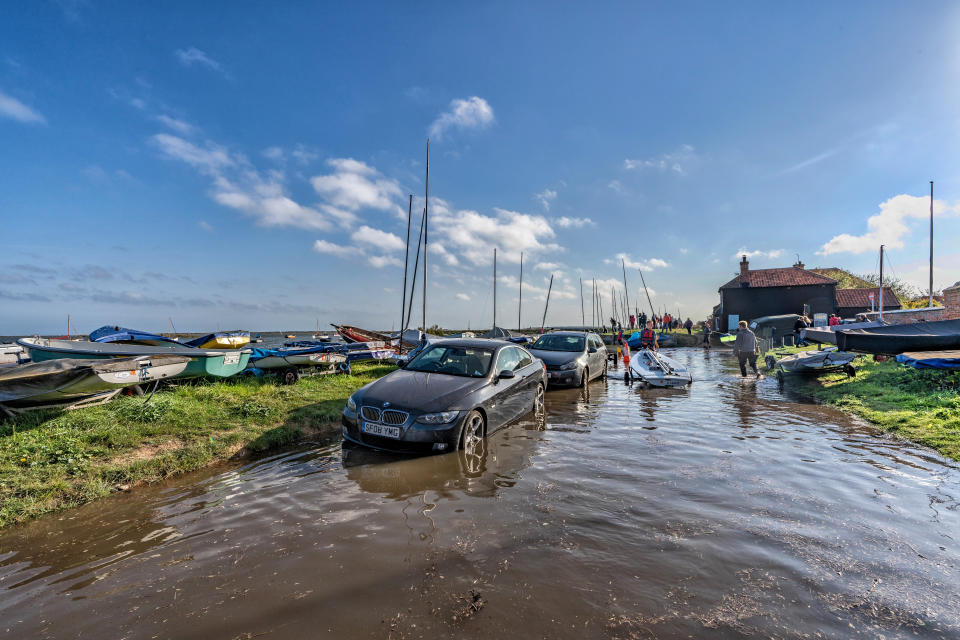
x=520 y=303
x=494 y=290
x=649 y=301
x=426 y=227
x=626 y=292
x=881 y=283
x=583 y=315
x=406 y=264
x=931 y=243
x=547 y=305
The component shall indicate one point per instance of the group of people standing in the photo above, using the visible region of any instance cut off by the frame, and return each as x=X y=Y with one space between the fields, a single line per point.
x=666 y=322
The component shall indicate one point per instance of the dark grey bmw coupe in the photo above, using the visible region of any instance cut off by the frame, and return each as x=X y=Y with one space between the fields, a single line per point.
x=451 y=395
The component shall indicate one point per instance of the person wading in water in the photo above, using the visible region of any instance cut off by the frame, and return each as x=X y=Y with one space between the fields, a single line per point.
x=746 y=349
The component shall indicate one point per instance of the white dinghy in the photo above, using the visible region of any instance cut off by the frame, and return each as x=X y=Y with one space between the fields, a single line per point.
x=656 y=370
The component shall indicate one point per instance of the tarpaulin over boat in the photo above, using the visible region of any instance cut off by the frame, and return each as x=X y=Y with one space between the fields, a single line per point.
x=291 y=351
x=931 y=359
x=897 y=338
x=498 y=333
x=120 y=334
x=828 y=335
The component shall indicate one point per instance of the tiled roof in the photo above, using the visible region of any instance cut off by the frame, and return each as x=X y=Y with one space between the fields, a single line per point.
x=783 y=277
x=861 y=298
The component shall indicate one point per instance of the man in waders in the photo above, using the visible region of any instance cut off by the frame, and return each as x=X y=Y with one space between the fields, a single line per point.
x=746 y=349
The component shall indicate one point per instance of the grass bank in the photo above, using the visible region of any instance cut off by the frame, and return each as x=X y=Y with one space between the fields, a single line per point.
x=51 y=460
x=922 y=405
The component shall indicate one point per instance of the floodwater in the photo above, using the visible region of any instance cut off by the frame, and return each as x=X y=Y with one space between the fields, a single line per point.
x=726 y=510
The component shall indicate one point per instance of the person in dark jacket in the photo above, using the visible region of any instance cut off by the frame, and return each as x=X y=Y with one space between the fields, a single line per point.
x=745 y=349
x=798 y=328
x=706 y=334
x=688 y=325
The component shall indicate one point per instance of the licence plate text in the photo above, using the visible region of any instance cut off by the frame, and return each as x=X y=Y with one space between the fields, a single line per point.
x=380 y=430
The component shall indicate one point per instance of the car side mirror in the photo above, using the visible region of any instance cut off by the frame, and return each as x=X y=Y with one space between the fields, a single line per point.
x=593 y=350
x=401 y=362
x=506 y=374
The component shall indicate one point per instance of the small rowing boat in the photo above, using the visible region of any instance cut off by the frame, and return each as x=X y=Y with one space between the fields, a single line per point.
x=813 y=362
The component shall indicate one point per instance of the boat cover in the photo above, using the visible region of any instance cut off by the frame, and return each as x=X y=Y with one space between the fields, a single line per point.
x=284 y=352
x=898 y=338
x=662 y=339
x=120 y=334
x=202 y=340
x=815 y=360
x=498 y=333
x=931 y=359
x=828 y=335
x=36 y=378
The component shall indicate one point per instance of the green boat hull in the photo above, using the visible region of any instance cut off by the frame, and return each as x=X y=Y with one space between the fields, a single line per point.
x=217 y=364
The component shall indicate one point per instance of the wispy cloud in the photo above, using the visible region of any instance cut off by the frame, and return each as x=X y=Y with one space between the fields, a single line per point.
x=576 y=223
x=759 y=253
x=643 y=265
x=469 y=113
x=677 y=162
x=546 y=197
x=355 y=185
x=206 y=226
x=191 y=56
x=12 y=108
x=180 y=126
x=811 y=161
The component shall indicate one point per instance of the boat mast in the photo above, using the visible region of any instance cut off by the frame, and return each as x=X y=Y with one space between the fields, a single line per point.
x=547 y=305
x=881 y=283
x=593 y=305
x=626 y=292
x=68 y=326
x=520 y=303
x=583 y=315
x=647 y=291
x=406 y=264
x=931 y=244
x=494 y=290
x=416 y=270
x=426 y=227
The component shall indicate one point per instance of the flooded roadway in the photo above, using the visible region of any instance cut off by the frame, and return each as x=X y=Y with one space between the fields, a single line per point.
x=721 y=511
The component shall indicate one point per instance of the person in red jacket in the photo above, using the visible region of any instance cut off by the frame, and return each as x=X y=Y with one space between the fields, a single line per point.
x=648 y=337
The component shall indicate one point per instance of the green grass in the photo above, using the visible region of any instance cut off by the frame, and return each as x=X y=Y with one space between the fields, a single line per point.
x=922 y=405
x=51 y=460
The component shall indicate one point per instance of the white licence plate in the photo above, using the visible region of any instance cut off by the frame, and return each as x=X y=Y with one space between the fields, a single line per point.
x=380 y=429
x=231 y=358
x=554 y=376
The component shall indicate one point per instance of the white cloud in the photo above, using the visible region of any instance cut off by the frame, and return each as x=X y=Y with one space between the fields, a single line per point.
x=684 y=251
x=811 y=161
x=576 y=223
x=472 y=113
x=463 y=296
x=12 y=108
x=772 y=253
x=677 y=162
x=384 y=261
x=355 y=185
x=547 y=266
x=238 y=185
x=437 y=249
x=890 y=226
x=474 y=236
x=377 y=238
x=180 y=126
x=643 y=265
x=546 y=197
x=322 y=246
x=211 y=158
x=206 y=226
x=303 y=155
x=615 y=185
x=191 y=56
x=273 y=153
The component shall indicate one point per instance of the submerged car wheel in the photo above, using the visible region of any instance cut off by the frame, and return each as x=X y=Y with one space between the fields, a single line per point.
x=603 y=374
x=471 y=441
x=584 y=377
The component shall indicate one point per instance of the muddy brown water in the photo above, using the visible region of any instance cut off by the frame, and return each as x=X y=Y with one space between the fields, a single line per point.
x=730 y=509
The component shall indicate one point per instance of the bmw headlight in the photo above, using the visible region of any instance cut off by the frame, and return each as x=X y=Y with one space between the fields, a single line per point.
x=352 y=402
x=568 y=366
x=438 y=418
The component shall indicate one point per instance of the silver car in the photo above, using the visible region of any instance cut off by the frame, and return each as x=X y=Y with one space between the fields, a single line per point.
x=572 y=358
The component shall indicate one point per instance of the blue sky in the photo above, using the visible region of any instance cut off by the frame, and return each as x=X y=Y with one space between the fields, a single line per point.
x=248 y=165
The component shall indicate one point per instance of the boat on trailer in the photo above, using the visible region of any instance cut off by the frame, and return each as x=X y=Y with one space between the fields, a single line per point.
x=69 y=383
x=656 y=370
x=813 y=362
x=291 y=363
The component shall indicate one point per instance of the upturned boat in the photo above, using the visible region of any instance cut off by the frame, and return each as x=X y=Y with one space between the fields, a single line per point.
x=69 y=382
x=218 y=340
x=898 y=338
x=203 y=362
x=814 y=362
x=356 y=334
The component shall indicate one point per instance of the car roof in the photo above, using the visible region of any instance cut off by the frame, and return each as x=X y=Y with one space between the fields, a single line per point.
x=568 y=333
x=478 y=343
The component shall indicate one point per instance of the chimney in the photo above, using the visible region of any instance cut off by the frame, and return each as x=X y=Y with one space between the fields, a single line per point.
x=798 y=265
x=744 y=266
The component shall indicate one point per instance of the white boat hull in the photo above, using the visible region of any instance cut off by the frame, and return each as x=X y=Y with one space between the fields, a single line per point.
x=658 y=370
